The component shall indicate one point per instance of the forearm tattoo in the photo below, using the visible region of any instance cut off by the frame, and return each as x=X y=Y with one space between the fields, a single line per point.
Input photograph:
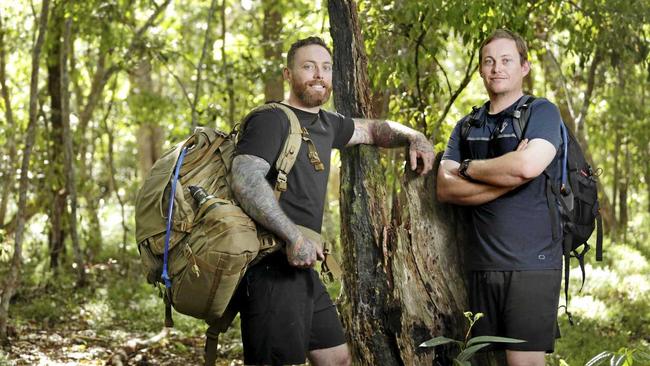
x=387 y=134
x=257 y=198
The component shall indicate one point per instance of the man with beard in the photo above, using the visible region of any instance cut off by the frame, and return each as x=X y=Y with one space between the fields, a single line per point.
x=286 y=313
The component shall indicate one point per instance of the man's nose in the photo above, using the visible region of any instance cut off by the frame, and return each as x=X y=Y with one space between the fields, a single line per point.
x=317 y=73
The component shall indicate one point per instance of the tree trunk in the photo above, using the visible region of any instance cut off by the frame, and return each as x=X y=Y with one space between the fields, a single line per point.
x=57 y=233
x=12 y=279
x=150 y=134
x=615 y=181
x=69 y=153
x=622 y=202
x=402 y=279
x=206 y=50
x=272 y=44
x=230 y=83
x=8 y=169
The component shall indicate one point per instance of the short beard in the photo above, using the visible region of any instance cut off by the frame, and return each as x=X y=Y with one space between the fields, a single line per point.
x=311 y=100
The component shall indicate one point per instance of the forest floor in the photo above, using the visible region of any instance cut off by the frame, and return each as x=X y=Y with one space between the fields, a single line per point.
x=118 y=318
x=115 y=321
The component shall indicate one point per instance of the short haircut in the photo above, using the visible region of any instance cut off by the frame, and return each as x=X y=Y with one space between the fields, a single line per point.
x=303 y=43
x=507 y=34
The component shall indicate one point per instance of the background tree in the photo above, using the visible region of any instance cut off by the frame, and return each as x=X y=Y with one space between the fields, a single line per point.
x=143 y=73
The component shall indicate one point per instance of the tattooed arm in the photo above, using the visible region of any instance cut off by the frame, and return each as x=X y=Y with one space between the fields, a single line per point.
x=384 y=133
x=257 y=198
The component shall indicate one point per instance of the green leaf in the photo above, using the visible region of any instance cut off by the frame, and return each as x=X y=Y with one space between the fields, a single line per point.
x=598 y=359
x=437 y=341
x=493 y=339
x=470 y=351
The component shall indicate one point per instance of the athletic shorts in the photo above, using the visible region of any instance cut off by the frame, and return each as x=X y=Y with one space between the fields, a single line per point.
x=517 y=304
x=285 y=312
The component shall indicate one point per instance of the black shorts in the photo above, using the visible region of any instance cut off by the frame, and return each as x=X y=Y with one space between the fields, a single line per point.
x=285 y=312
x=517 y=304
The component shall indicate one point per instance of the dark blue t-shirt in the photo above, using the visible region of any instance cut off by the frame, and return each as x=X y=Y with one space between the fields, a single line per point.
x=264 y=136
x=514 y=231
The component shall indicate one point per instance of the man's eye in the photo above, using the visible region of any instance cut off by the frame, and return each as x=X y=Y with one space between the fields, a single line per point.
x=327 y=67
x=308 y=66
x=487 y=62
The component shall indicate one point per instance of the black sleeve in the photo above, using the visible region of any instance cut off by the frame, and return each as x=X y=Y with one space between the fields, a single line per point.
x=263 y=135
x=344 y=131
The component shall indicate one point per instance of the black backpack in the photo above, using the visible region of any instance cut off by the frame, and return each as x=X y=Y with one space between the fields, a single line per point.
x=574 y=196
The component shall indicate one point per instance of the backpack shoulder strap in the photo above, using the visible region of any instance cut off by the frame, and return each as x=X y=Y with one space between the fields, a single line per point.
x=521 y=115
x=291 y=147
x=474 y=119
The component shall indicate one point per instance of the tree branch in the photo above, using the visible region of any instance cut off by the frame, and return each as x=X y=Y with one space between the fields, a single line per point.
x=469 y=71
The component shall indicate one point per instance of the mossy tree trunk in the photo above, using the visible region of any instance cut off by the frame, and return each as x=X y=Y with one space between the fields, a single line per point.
x=402 y=280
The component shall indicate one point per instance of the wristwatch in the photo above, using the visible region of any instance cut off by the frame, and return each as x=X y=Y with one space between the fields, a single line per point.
x=462 y=169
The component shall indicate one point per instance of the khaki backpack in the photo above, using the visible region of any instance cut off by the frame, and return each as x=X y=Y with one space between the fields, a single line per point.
x=201 y=251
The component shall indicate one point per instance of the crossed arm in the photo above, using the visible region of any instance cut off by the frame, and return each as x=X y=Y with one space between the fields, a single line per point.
x=257 y=198
x=495 y=177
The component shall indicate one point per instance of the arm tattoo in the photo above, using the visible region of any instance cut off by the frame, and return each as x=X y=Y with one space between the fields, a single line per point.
x=257 y=198
x=386 y=134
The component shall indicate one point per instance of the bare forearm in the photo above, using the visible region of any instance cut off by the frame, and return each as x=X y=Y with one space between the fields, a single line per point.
x=385 y=133
x=504 y=171
x=453 y=189
x=257 y=198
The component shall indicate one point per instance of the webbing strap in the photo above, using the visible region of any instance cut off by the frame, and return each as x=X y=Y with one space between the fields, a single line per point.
x=599 y=238
x=521 y=116
x=165 y=275
x=567 y=268
x=211 y=345
x=565 y=157
x=290 y=149
x=313 y=153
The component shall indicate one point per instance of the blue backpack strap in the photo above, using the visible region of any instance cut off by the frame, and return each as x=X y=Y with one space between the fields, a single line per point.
x=165 y=275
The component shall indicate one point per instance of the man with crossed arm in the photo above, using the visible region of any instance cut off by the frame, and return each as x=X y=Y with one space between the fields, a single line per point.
x=286 y=314
x=514 y=258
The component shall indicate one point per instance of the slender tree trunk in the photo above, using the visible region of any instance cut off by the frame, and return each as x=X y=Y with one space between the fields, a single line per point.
x=69 y=152
x=150 y=134
x=8 y=169
x=206 y=50
x=57 y=232
x=230 y=83
x=622 y=203
x=402 y=279
x=12 y=279
x=272 y=44
x=615 y=181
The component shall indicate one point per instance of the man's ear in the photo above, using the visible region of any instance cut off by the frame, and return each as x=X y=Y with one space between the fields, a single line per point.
x=525 y=68
x=286 y=74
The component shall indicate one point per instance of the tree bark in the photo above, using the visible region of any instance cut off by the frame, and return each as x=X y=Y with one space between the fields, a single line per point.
x=8 y=169
x=622 y=202
x=272 y=45
x=615 y=181
x=206 y=50
x=57 y=233
x=12 y=279
x=230 y=83
x=150 y=134
x=70 y=169
x=402 y=279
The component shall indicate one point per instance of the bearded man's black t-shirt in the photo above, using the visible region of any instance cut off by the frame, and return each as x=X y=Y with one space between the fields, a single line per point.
x=264 y=136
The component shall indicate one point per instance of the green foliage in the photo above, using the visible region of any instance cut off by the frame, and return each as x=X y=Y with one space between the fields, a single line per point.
x=469 y=346
x=622 y=357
